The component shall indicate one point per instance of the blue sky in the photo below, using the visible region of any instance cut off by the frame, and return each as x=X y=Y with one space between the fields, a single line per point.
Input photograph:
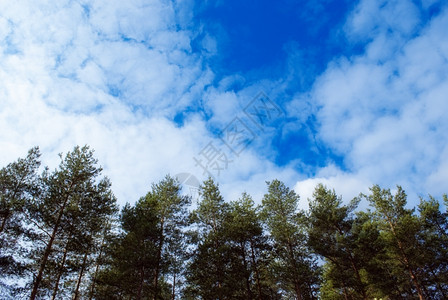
x=258 y=35
x=353 y=93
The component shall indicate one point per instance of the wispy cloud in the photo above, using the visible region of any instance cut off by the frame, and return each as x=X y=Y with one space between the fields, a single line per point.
x=113 y=75
x=383 y=109
x=137 y=81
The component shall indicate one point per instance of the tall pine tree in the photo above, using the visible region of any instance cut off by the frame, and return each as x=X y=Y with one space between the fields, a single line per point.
x=147 y=252
x=73 y=197
x=400 y=229
x=18 y=185
x=208 y=276
x=331 y=236
x=296 y=271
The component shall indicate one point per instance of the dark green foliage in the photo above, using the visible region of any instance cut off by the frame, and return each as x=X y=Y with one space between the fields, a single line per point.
x=331 y=235
x=50 y=222
x=350 y=244
x=433 y=242
x=295 y=269
x=18 y=185
x=211 y=261
x=73 y=207
x=131 y=256
x=250 y=248
x=61 y=238
x=403 y=236
x=148 y=251
x=230 y=260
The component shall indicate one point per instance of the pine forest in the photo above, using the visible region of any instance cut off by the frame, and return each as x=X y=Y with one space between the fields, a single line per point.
x=63 y=236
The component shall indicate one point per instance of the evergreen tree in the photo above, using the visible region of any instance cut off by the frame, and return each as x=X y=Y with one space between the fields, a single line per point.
x=73 y=205
x=18 y=185
x=150 y=247
x=171 y=210
x=208 y=270
x=370 y=250
x=59 y=235
x=130 y=257
x=434 y=241
x=249 y=246
x=295 y=269
x=331 y=236
x=400 y=229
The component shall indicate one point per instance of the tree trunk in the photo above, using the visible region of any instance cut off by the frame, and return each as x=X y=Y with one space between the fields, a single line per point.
x=297 y=289
x=354 y=267
x=98 y=259
x=159 y=259
x=140 y=288
x=358 y=276
x=248 y=289
x=5 y=218
x=411 y=272
x=345 y=292
x=48 y=251
x=95 y=274
x=61 y=269
x=81 y=273
x=257 y=274
x=173 y=292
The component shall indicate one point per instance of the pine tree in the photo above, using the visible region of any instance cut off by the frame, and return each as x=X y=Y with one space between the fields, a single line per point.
x=249 y=246
x=208 y=269
x=295 y=268
x=150 y=246
x=18 y=185
x=73 y=205
x=434 y=241
x=400 y=228
x=171 y=209
x=130 y=256
x=331 y=236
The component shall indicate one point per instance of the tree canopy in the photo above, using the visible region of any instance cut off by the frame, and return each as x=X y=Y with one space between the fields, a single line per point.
x=62 y=235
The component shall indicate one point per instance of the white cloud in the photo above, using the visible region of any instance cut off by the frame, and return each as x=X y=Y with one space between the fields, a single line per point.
x=347 y=185
x=59 y=66
x=372 y=17
x=112 y=75
x=133 y=49
x=384 y=109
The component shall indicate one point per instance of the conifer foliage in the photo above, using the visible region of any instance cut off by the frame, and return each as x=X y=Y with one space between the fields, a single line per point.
x=63 y=236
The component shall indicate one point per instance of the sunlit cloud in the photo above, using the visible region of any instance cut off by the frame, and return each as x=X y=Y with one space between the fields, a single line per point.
x=149 y=84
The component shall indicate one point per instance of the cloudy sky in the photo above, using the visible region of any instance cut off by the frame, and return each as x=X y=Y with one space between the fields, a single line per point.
x=347 y=93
